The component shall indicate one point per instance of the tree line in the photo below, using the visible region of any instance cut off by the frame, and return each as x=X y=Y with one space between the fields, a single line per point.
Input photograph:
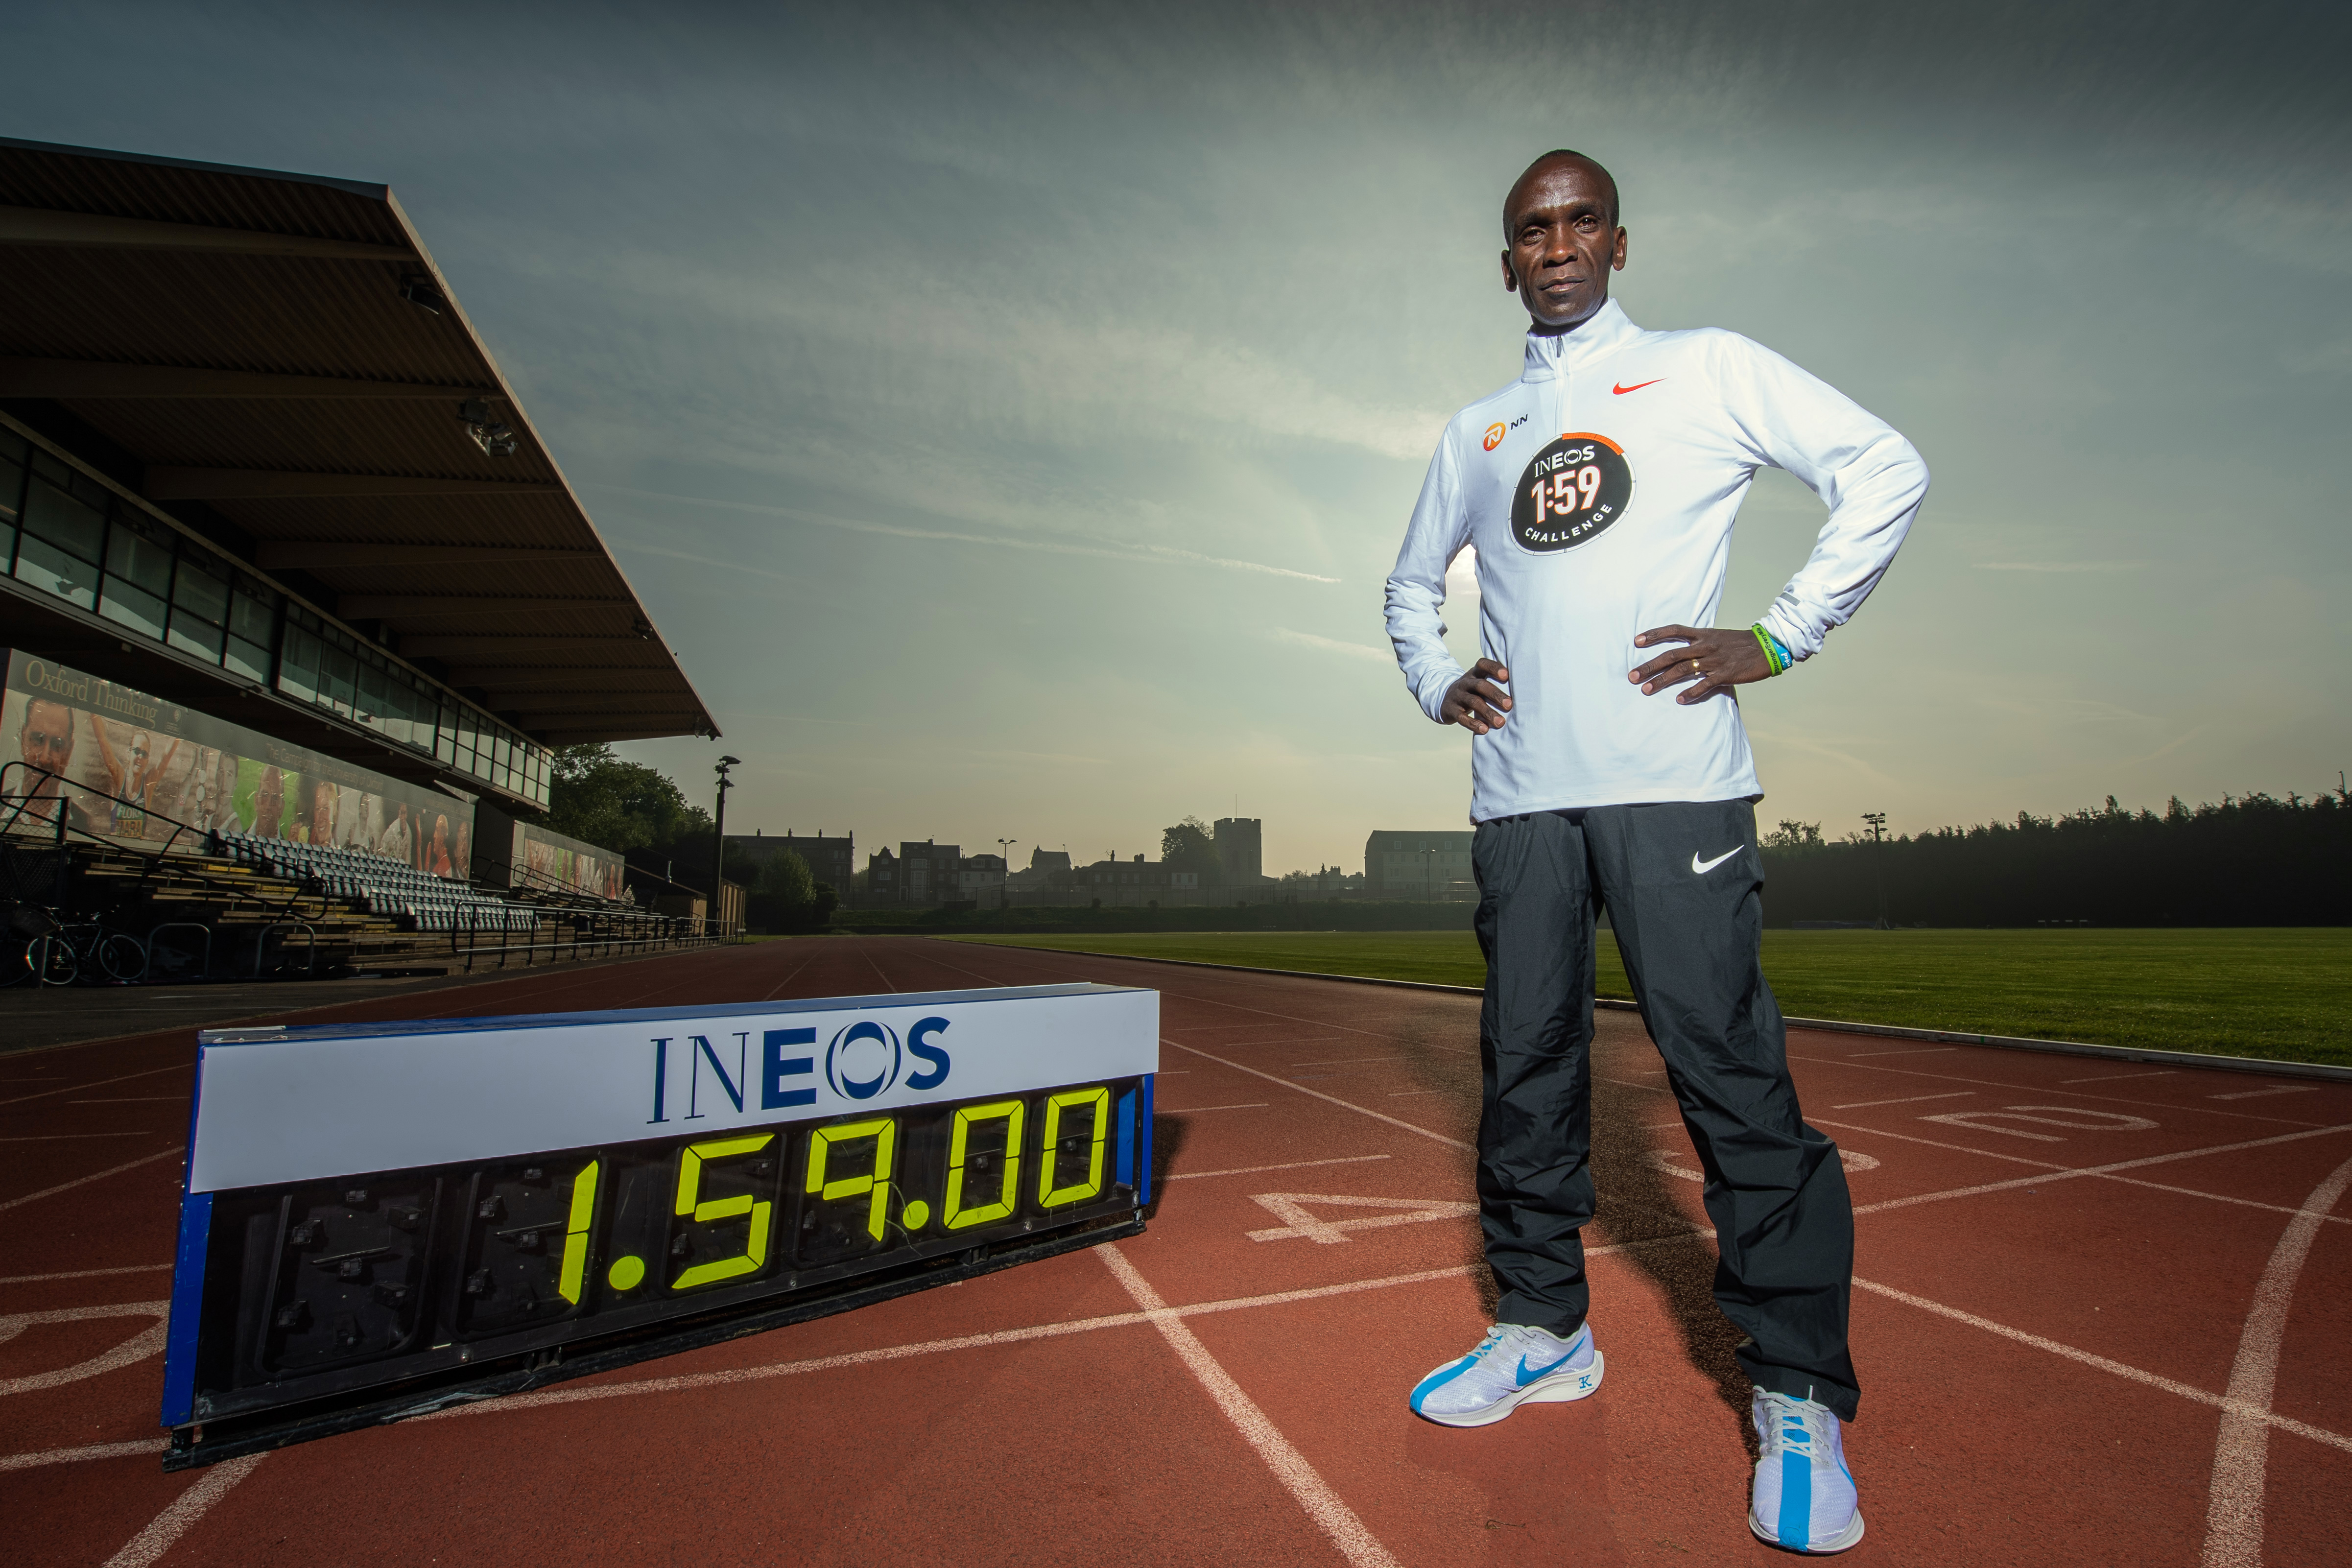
x=640 y=812
x=2253 y=859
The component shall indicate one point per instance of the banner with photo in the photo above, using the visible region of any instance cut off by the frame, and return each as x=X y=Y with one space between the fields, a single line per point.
x=162 y=763
x=544 y=859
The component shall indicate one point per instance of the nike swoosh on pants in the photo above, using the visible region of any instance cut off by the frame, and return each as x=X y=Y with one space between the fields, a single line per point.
x=1702 y=868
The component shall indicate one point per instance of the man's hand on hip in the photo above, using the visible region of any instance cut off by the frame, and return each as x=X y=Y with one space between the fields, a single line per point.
x=1475 y=701
x=1716 y=658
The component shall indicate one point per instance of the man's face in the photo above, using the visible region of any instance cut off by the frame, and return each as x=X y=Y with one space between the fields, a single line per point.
x=46 y=739
x=1564 y=243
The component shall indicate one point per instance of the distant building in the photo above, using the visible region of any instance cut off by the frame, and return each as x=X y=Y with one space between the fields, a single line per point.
x=1046 y=868
x=1324 y=882
x=921 y=874
x=830 y=860
x=980 y=879
x=1431 y=865
x=1114 y=882
x=1241 y=851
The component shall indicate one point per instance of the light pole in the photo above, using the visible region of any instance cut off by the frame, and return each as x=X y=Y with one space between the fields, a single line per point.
x=1005 y=879
x=1877 y=820
x=718 y=847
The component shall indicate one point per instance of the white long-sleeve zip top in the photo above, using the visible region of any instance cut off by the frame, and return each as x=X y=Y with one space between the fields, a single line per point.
x=1599 y=491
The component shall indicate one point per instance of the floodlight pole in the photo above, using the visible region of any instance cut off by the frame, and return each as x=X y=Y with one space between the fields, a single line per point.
x=1877 y=820
x=718 y=847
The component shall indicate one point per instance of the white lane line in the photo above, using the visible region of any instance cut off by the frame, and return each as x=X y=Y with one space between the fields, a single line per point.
x=1231 y=1007
x=85 y=1180
x=1189 y=1109
x=2233 y=1508
x=2119 y=1076
x=85 y=1273
x=2066 y=1173
x=2148 y=1379
x=1299 y=1220
x=691 y=1381
x=1628 y=1083
x=1289 y=1466
x=1907 y=1051
x=71 y=1137
x=2067 y=1170
x=1907 y=1099
x=2036 y=1088
x=101 y=1083
x=1343 y=1061
x=75 y=1455
x=192 y=1505
x=2266 y=1093
x=1247 y=1170
x=1319 y=1094
x=137 y=1348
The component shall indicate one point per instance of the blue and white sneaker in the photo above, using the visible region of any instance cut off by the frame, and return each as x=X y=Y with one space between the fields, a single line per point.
x=1804 y=1498
x=1514 y=1366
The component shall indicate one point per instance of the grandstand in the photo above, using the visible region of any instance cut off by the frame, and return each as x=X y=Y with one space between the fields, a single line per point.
x=297 y=603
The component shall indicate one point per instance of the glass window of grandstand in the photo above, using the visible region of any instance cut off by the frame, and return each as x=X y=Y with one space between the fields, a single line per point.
x=374 y=705
x=64 y=525
x=338 y=671
x=297 y=670
x=200 y=594
x=252 y=611
x=138 y=574
x=12 y=454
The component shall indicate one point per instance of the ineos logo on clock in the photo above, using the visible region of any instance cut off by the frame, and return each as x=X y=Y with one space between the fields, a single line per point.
x=1571 y=493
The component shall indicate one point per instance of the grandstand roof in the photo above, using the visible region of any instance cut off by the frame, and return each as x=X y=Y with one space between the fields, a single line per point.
x=280 y=352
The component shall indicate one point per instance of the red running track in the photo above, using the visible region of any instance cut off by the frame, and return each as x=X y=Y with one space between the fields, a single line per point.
x=2100 y=1319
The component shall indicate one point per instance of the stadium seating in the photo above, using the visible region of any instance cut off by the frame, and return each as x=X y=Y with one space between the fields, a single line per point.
x=381 y=886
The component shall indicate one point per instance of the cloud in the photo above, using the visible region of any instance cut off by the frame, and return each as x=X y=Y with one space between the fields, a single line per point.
x=1333 y=644
x=1104 y=550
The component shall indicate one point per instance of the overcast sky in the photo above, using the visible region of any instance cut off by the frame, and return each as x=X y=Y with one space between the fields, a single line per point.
x=1009 y=416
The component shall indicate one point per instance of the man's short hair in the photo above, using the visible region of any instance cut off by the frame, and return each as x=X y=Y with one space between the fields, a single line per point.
x=1557 y=155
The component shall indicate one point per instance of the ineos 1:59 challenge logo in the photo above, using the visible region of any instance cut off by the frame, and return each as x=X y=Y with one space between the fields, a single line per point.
x=1571 y=493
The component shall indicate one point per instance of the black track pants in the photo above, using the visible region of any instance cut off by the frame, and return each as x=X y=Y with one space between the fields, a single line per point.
x=1683 y=885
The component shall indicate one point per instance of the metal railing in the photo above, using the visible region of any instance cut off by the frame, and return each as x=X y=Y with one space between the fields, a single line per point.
x=261 y=945
x=591 y=934
x=59 y=825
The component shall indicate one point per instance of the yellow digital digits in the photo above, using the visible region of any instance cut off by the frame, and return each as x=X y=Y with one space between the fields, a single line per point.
x=690 y=1161
x=1049 y=1195
x=575 y=1233
x=955 y=1216
x=884 y=1130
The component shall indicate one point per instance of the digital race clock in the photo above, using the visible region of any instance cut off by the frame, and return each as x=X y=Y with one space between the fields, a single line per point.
x=382 y=1220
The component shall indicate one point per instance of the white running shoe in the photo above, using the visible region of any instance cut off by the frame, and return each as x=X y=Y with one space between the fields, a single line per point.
x=1514 y=1366
x=1804 y=1498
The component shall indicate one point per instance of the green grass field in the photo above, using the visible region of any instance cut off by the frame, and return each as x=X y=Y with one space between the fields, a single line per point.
x=2283 y=992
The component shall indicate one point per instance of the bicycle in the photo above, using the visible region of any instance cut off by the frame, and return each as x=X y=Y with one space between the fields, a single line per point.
x=59 y=955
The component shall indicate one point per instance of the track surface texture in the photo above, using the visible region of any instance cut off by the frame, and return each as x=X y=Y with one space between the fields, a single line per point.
x=2100 y=1318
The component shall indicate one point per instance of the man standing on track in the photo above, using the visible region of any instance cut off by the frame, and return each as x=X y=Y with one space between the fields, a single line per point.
x=1599 y=491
